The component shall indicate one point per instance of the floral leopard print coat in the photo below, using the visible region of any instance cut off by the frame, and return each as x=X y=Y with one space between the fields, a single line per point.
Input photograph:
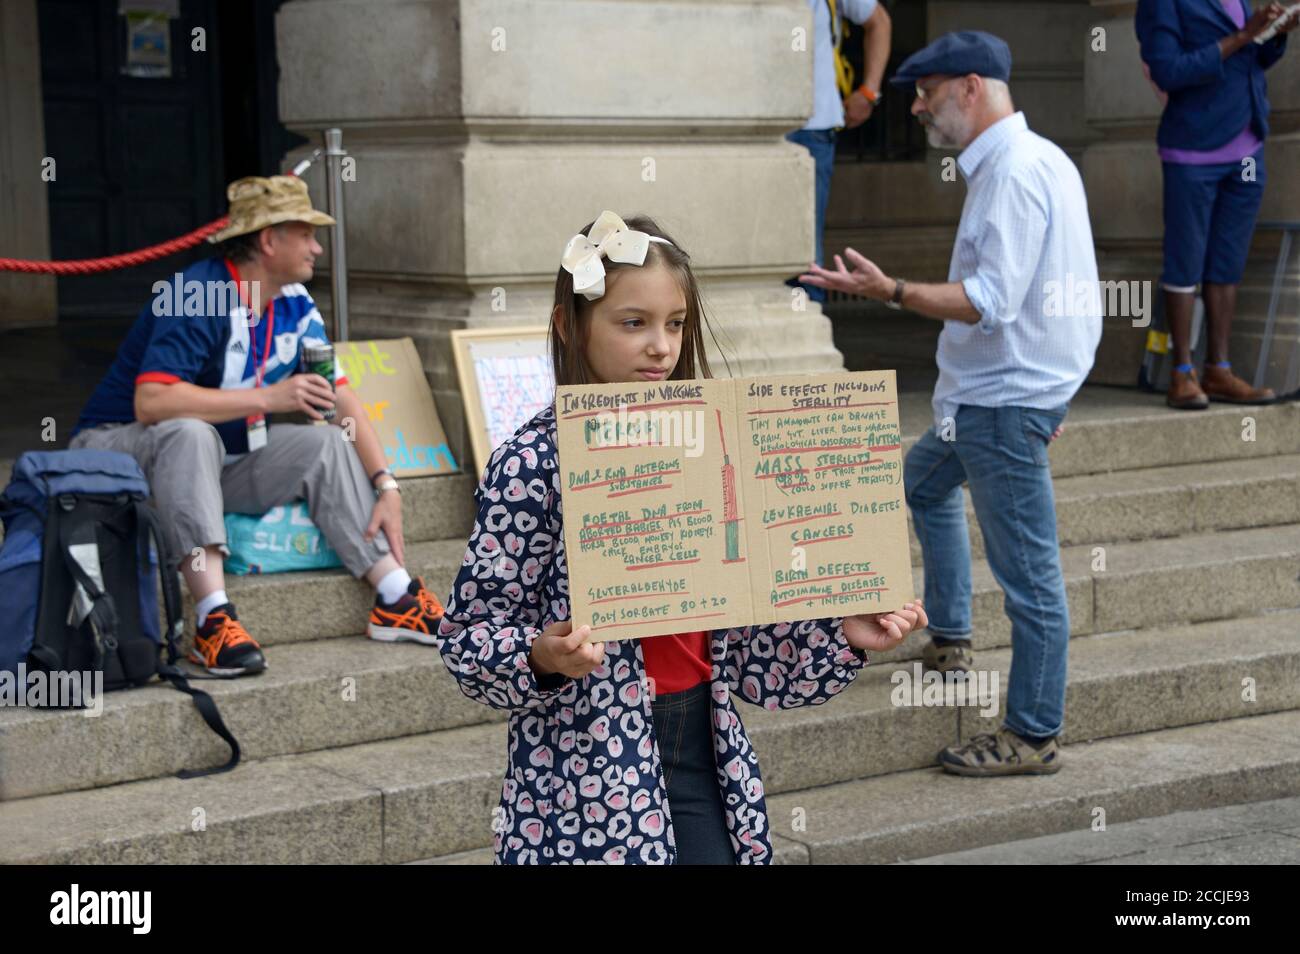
x=583 y=783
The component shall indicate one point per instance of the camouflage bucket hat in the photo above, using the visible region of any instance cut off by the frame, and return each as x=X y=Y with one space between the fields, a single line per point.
x=257 y=201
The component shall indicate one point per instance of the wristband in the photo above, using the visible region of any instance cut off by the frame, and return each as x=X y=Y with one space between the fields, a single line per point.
x=382 y=470
x=896 y=300
x=870 y=94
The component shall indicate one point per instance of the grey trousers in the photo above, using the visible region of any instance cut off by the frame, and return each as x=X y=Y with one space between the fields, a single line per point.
x=192 y=485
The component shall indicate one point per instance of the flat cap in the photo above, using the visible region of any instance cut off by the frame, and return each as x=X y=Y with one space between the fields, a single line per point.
x=958 y=54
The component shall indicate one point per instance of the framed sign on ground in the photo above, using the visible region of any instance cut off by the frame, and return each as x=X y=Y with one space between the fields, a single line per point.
x=505 y=378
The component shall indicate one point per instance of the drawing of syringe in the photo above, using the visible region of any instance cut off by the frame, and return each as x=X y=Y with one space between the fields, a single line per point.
x=730 y=508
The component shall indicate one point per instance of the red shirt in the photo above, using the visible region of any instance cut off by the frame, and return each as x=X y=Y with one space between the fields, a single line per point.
x=677 y=662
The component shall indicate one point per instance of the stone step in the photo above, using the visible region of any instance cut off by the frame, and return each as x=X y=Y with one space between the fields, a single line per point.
x=1191 y=570
x=282 y=608
x=1149 y=583
x=1108 y=429
x=1165 y=502
x=1185 y=498
x=1118 y=684
x=434 y=794
x=1118 y=429
x=339 y=692
x=1152 y=583
x=917 y=814
x=438 y=508
x=314 y=695
x=1266 y=832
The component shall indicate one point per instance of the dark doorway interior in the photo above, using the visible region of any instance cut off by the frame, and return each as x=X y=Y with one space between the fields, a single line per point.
x=891 y=134
x=254 y=140
x=144 y=159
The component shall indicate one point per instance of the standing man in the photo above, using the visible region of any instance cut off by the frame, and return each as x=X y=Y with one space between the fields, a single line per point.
x=1009 y=363
x=1202 y=55
x=188 y=395
x=830 y=112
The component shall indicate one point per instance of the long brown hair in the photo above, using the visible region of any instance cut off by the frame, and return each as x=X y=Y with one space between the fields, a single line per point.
x=569 y=358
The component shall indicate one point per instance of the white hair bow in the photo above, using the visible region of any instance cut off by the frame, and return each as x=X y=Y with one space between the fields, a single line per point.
x=609 y=237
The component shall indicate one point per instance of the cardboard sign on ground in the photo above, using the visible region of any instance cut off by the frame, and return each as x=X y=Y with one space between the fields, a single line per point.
x=390 y=381
x=707 y=504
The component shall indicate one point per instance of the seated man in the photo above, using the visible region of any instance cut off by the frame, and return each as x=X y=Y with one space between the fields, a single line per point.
x=187 y=397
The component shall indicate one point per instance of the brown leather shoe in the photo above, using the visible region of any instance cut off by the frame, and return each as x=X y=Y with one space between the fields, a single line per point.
x=1184 y=393
x=1222 y=385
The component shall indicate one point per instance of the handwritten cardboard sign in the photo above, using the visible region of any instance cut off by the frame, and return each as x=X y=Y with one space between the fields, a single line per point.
x=390 y=381
x=707 y=504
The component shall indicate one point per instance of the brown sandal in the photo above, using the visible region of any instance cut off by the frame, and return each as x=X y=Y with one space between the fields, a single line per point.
x=955 y=657
x=1001 y=753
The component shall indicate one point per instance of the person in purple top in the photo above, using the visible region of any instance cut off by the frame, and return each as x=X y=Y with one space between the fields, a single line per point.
x=1202 y=55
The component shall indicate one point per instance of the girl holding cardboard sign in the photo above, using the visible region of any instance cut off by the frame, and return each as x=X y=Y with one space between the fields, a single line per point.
x=600 y=769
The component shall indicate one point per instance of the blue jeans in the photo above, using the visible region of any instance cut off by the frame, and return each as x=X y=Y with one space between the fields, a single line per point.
x=683 y=724
x=821 y=143
x=1001 y=452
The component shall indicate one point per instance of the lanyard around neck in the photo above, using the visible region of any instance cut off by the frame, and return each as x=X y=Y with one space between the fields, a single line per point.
x=259 y=369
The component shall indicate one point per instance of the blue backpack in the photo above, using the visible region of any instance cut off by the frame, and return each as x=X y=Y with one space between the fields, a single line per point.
x=79 y=569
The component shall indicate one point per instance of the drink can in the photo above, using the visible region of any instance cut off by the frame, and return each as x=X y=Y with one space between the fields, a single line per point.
x=318 y=358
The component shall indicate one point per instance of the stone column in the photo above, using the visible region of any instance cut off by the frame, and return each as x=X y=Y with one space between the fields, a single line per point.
x=1122 y=174
x=486 y=132
x=25 y=300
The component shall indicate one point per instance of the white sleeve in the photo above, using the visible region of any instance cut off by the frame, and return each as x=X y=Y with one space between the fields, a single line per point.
x=859 y=11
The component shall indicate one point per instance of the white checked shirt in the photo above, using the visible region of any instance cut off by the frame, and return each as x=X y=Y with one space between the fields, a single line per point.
x=1025 y=257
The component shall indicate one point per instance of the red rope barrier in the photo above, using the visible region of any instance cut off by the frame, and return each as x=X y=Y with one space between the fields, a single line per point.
x=87 y=266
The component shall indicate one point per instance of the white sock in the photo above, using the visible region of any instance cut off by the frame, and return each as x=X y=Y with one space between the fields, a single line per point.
x=394 y=585
x=208 y=604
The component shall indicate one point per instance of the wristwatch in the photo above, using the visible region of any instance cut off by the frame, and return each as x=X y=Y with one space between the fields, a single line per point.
x=896 y=301
x=388 y=483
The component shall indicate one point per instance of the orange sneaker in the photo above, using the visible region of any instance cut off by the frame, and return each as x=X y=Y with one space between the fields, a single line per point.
x=223 y=647
x=414 y=617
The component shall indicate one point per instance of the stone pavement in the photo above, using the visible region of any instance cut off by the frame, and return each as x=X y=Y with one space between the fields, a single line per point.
x=1258 y=833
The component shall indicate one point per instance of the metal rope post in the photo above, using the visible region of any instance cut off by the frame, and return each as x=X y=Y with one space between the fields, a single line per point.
x=1279 y=274
x=334 y=154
